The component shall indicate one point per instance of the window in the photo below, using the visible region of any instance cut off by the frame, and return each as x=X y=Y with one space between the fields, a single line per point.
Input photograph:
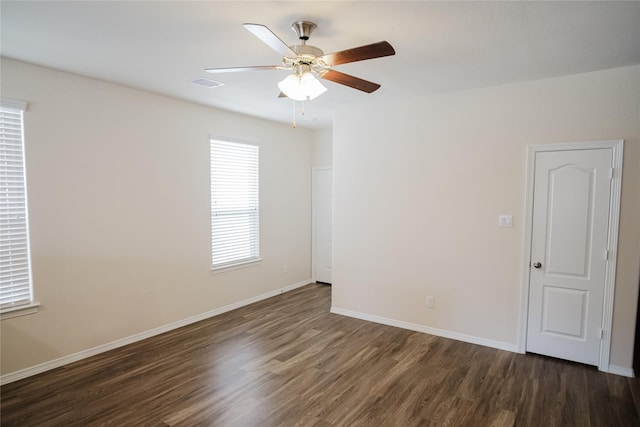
x=16 y=291
x=234 y=204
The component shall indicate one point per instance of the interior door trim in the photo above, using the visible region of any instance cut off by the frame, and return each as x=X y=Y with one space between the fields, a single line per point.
x=617 y=147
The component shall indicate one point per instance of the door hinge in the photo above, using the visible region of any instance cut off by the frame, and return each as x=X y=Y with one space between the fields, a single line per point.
x=612 y=173
x=601 y=333
x=606 y=254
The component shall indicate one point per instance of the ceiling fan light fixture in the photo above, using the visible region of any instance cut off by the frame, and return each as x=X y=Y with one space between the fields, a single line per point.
x=311 y=86
x=301 y=87
x=290 y=86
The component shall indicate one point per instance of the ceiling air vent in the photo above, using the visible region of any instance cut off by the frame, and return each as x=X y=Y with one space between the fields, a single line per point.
x=207 y=82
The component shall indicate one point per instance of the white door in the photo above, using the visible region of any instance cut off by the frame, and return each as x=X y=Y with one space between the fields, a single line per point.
x=571 y=200
x=322 y=223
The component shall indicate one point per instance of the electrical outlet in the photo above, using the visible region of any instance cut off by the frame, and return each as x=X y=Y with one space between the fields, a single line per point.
x=505 y=221
x=429 y=302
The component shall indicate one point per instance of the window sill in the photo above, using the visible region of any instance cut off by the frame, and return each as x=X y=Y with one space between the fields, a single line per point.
x=224 y=269
x=21 y=310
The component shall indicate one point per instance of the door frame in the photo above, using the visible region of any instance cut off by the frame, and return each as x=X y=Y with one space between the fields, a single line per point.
x=314 y=171
x=617 y=147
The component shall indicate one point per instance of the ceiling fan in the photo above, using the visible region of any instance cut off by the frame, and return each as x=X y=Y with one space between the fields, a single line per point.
x=309 y=62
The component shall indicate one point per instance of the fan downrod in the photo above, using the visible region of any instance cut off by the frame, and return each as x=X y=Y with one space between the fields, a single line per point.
x=303 y=29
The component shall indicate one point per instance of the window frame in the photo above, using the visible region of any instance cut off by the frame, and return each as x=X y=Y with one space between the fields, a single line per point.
x=239 y=213
x=19 y=307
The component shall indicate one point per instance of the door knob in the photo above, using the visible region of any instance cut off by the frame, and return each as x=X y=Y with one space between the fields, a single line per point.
x=537 y=265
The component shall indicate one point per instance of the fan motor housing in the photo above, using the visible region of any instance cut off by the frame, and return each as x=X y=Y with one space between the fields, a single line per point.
x=304 y=50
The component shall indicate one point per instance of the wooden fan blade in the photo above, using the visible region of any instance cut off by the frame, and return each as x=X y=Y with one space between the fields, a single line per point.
x=349 y=80
x=237 y=69
x=370 y=51
x=273 y=41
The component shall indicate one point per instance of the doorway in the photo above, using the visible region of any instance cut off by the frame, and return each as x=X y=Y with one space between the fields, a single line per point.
x=573 y=200
x=322 y=219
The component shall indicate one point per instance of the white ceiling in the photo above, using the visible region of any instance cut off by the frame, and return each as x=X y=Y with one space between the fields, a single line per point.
x=440 y=46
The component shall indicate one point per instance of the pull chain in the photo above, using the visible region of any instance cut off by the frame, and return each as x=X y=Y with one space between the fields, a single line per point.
x=294 y=114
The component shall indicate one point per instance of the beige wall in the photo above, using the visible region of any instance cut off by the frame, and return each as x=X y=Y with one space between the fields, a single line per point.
x=118 y=183
x=419 y=185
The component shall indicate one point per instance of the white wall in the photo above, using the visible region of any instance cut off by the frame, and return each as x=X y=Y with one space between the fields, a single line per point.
x=322 y=147
x=118 y=183
x=419 y=185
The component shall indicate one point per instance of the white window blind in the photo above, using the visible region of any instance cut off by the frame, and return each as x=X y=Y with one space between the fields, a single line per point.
x=15 y=267
x=235 y=212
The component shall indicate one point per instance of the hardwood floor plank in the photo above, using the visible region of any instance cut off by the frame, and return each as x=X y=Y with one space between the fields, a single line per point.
x=503 y=419
x=287 y=361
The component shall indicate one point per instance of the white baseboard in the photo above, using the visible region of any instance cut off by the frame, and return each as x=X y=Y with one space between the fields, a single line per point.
x=619 y=370
x=428 y=330
x=65 y=360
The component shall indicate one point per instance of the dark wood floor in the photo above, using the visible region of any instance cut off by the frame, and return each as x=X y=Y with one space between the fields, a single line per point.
x=287 y=361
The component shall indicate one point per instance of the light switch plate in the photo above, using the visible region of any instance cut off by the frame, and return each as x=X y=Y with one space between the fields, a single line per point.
x=505 y=221
x=429 y=301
